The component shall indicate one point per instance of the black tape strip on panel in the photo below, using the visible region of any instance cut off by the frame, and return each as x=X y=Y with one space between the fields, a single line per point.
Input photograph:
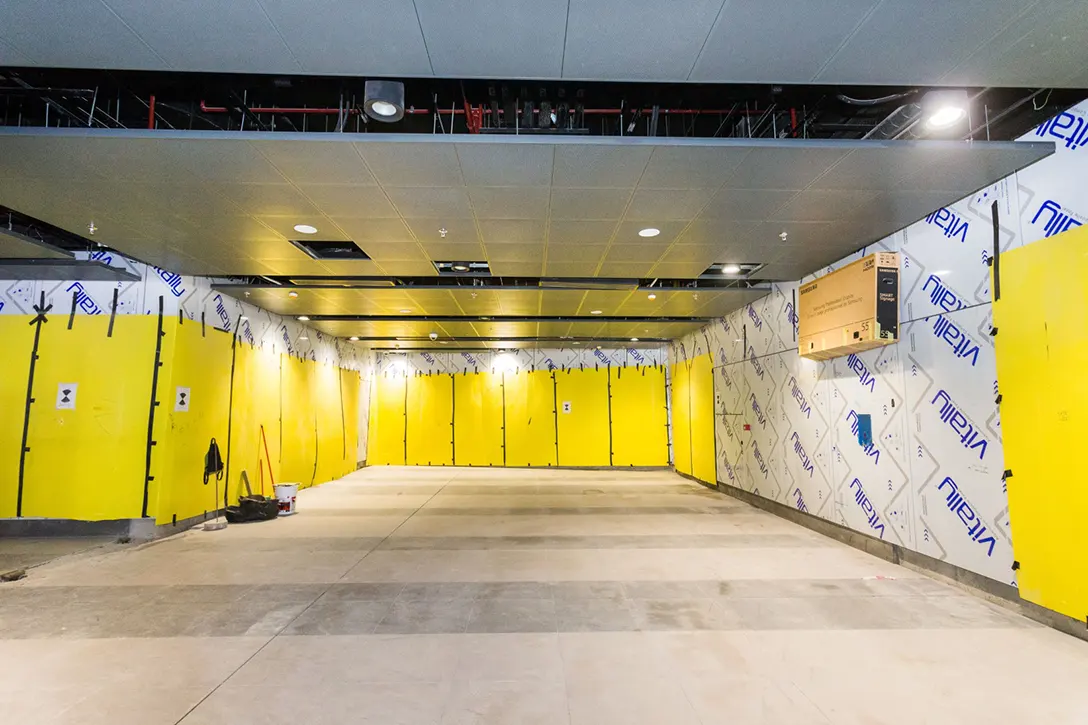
x=230 y=406
x=555 y=415
x=317 y=442
x=148 y=478
x=502 y=386
x=453 y=417
x=405 y=429
x=997 y=251
x=72 y=314
x=343 y=420
x=42 y=309
x=181 y=317
x=793 y=299
x=619 y=370
x=113 y=313
x=203 y=331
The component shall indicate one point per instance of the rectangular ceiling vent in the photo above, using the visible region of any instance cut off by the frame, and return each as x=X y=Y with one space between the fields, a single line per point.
x=463 y=269
x=331 y=250
x=600 y=284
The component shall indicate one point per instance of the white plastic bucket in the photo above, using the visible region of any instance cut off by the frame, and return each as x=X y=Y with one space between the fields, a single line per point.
x=286 y=494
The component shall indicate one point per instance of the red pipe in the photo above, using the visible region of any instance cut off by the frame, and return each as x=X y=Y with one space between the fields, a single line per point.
x=460 y=111
x=793 y=121
x=151 y=113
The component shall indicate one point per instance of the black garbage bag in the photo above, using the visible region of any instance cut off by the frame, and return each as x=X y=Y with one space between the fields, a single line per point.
x=253 y=508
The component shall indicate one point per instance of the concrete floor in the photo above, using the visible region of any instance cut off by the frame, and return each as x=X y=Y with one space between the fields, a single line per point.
x=28 y=552
x=405 y=596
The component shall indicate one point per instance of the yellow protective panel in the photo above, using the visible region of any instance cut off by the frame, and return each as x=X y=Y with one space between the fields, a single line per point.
x=530 y=418
x=18 y=337
x=350 y=382
x=681 y=421
x=477 y=419
x=298 y=423
x=640 y=435
x=331 y=439
x=88 y=463
x=200 y=362
x=582 y=417
x=1042 y=354
x=256 y=403
x=430 y=420
x=385 y=440
x=701 y=411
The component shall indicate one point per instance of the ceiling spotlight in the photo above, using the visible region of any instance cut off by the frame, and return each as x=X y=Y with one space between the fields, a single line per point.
x=649 y=232
x=594 y=312
x=783 y=236
x=944 y=108
x=384 y=100
x=303 y=318
x=443 y=232
x=433 y=336
x=576 y=343
x=405 y=312
x=292 y=294
x=305 y=229
x=730 y=269
x=651 y=296
x=354 y=338
x=460 y=267
x=634 y=339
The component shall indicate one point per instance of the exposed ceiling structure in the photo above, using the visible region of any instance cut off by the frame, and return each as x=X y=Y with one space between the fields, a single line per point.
x=874 y=42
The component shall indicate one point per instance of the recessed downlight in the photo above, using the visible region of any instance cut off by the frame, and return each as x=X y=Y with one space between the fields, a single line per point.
x=594 y=312
x=305 y=229
x=634 y=339
x=945 y=117
x=302 y=318
x=730 y=269
x=649 y=232
x=292 y=294
x=383 y=108
x=460 y=267
x=651 y=296
x=354 y=338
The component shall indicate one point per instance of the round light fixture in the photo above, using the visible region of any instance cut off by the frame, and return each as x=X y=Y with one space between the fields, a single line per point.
x=460 y=268
x=634 y=339
x=730 y=269
x=945 y=117
x=354 y=338
x=651 y=296
x=594 y=312
x=303 y=318
x=384 y=100
x=649 y=232
x=305 y=229
x=292 y=294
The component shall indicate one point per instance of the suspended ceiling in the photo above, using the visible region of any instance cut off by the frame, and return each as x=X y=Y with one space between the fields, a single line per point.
x=878 y=42
x=219 y=203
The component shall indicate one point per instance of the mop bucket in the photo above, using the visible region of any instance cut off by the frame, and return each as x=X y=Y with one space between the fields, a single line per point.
x=286 y=494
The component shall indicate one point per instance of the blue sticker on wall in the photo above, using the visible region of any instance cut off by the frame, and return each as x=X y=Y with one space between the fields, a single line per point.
x=865 y=429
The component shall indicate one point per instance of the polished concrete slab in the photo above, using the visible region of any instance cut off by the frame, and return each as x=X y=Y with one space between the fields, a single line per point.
x=436 y=596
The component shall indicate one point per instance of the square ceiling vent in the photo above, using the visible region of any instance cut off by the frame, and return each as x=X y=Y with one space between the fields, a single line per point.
x=331 y=250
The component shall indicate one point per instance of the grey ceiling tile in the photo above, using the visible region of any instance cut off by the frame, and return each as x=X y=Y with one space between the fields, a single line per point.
x=570 y=269
x=691 y=167
x=719 y=232
x=876 y=169
x=738 y=46
x=284 y=226
x=645 y=39
x=239 y=39
x=678 y=270
x=385 y=40
x=420 y=269
x=589 y=203
x=515 y=252
x=505 y=164
x=220 y=160
x=396 y=251
x=458 y=231
x=374 y=230
x=496 y=231
x=628 y=232
x=443 y=251
x=270 y=199
x=599 y=167
x=746 y=204
x=699 y=255
x=782 y=272
x=411 y=164
x=654 y=205
x=576 y=253
x=819 y=205
x=508 y=40
x=580 y=232
x=317 y=161
x=943 y=35
x=509 y=202
x=75 y=35
x=635 y=252
x=436 y=203
x=1044 y=47
x=12 y=56
x=625 y=270
x=350 y=200
x=783 y=168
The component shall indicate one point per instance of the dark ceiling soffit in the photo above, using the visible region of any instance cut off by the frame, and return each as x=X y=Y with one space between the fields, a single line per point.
x=240 y=288
x=76 y=270
x=499 y=318
x=32 y=240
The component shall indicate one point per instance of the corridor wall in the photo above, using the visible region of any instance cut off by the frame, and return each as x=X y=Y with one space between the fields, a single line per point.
x=590 y=417
x=693 y=418
x=18 y=337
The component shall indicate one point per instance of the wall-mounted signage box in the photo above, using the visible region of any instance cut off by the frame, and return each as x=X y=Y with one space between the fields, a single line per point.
x=852 y=309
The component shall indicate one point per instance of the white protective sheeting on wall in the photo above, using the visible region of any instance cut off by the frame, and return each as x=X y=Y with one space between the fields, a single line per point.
x=932 y=396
